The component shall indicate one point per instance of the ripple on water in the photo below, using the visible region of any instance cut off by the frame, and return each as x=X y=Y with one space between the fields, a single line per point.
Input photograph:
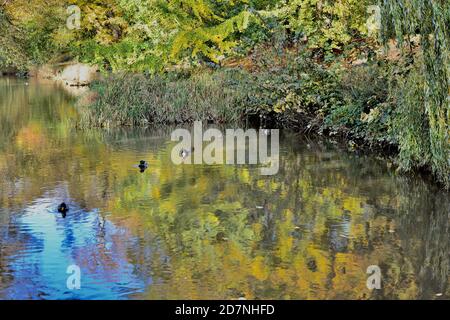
x=47 y=244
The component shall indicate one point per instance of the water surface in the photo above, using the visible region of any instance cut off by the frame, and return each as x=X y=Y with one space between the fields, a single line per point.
x=198 y=231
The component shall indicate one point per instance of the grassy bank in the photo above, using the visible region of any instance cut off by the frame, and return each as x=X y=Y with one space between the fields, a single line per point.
x=138 y=100
x=335 y=85
x=372 y=104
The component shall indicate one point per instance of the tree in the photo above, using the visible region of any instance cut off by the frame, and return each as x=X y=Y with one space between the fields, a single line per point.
x=424 y=112
x=179 y=29
x=11 y=43
x=34 y=25
x=326 y=24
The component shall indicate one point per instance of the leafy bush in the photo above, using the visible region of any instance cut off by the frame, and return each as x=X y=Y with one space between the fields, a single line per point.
x=11 y=44
x=327 y=25
x=292 y=89
x=365 y=113
x=33 y=26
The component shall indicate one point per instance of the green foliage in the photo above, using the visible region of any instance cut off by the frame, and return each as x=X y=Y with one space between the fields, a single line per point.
x=11 y=44
x=304 y=88
x=102 y=38
x=148 y=35
x=210 y=42
x=41 y=47
x=325 y=24
x=365 y=113
x=143 y=35
x=427 y=85
x=292 y=89
x=30 y=32
x=212 y=29
x=411 y=124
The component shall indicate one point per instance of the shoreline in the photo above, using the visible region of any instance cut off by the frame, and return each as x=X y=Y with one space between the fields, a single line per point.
x=88 y=97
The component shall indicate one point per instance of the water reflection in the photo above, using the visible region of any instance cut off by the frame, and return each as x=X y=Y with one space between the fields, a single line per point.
x=309 y=232
x=51 y=244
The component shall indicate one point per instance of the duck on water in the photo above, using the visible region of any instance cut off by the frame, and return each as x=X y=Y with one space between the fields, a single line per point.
x=63 y=209
x=143 y=165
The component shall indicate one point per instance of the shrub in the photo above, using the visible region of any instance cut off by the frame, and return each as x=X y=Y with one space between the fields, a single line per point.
x=291 y=89
x=412 y=125
x=365 y=114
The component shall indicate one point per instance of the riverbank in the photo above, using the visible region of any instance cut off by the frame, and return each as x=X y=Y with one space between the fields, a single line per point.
x=319 y=72
x=362 y=103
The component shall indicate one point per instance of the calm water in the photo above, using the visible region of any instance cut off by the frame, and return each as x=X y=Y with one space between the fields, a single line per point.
x=198 y=232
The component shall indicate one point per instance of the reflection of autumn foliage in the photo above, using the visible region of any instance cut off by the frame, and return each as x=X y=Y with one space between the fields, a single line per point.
x=204 y=231
x=31 y=138
x=103 y=257
x=6 y=251
x=324 y=235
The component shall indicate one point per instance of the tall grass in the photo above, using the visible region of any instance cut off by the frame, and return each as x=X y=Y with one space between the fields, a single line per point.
x=138 y=100
x=373 y=105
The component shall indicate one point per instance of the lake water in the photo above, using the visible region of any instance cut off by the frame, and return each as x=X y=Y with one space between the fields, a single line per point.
x=200 y=231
